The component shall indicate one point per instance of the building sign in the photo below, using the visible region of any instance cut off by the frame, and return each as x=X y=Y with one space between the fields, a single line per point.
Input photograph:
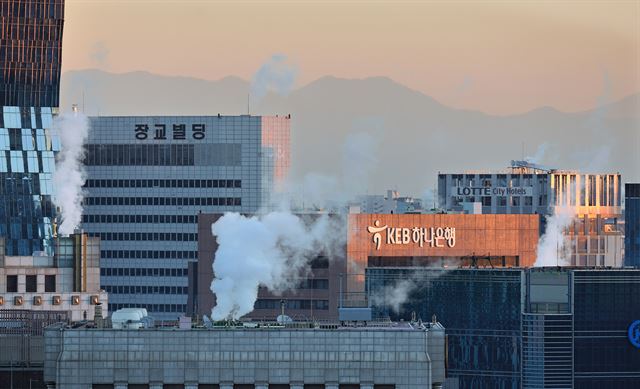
x=433 y=236
x=494 y=191
x=177 y=131
x=634 y=333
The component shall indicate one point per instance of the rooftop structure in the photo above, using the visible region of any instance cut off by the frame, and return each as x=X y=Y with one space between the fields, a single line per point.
x=401 y=356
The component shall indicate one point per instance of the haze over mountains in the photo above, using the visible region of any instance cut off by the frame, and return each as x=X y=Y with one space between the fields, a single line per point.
x=395 y=137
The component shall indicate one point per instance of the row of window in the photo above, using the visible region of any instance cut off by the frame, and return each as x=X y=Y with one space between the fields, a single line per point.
x=291 y=304
x=241 y=386
x=139 y=155
x=313 y=283
x=173 y=201
x=152 y=236
x=501 y=201
x=142 y=272
x=149 y=254
x=31 y=284
x=145 y=289
x=150 y=308
x=163 y=184
x=172 y=219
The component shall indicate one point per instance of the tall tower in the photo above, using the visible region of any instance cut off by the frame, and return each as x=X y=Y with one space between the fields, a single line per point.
x=30 y=61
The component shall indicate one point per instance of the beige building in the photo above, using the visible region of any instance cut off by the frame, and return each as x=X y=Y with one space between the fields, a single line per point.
x=69 y=281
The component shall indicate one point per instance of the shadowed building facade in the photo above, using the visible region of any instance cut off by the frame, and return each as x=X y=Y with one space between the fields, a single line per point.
x=315 y=295
x=632 y=225
x=523 y=328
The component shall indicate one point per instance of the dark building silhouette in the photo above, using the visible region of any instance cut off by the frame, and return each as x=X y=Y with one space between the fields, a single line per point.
x=523 y=328
x=632 y=225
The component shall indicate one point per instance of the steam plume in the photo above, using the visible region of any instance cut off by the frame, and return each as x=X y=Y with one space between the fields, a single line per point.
x=69 y=175
x=393 y=296
x=274 y=75
x=271 y=251
x=553 y=248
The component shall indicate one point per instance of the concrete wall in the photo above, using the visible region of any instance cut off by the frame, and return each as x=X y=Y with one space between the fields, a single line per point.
x=242 y=356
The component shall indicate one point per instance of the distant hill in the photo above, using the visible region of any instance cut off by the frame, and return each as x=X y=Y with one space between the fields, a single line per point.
x=414 y=136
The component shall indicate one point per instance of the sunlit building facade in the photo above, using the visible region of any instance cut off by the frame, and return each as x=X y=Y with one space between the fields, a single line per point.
x=30 y=60
x=594 y=237
x=148 y=179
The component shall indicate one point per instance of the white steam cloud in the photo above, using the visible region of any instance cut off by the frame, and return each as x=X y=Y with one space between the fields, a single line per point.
x=69 y=175
x=275 y=75
x=271 y=251
x=393 y=296
x=539 y=154
x=553 y=247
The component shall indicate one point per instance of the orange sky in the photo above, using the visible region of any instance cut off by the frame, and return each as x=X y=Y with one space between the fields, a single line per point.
x=499 y=57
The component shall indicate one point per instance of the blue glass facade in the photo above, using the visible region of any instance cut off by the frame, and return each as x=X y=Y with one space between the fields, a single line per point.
x=482 y=312
x=632 y=225
x=30 y=60
x=27 y=162
x=530 y=329
x=606 y=303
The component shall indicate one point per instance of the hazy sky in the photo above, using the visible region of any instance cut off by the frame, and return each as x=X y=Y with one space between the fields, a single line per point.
x=494 y=56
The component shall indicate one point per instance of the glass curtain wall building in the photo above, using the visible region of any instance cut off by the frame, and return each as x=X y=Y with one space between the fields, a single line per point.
x=516 y=328
x=632 y=225
x=30 y=60
x=150 y=177
x=483 y=309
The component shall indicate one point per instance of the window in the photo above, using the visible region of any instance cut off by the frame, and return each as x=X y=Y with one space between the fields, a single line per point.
x=12 y=284
x=515 y=201
x=502 y=201
x=528 y=201
x=486 y=201
x=50 y=283
x=32 y=284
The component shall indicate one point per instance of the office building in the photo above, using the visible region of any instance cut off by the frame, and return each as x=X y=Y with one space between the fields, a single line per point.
x=314 y=297
x=68 y=282
x=400 y=356
x=632 y=225
x=523 y=328
x=30 y=60
x=150 y=177
x=594 y=236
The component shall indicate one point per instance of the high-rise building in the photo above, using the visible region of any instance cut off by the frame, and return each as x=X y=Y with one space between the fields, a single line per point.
x=523 y=328
x=594 y=235
x=632 y=225
x=30 y=60
x=150 y=177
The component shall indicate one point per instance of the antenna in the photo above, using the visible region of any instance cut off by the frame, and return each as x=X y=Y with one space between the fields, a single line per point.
x=82 y=100
x=522 y=151
x=248 y=111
